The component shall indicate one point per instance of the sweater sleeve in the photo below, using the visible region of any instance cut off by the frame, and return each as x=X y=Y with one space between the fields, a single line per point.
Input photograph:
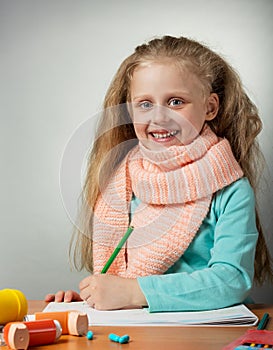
x=227 y=277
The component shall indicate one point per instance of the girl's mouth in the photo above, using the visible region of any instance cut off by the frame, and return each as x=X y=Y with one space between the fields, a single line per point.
x=164 y=135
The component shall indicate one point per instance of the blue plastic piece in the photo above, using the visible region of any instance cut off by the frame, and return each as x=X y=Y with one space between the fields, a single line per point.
x=114 y=337
x=89 y=335
x=124 y=339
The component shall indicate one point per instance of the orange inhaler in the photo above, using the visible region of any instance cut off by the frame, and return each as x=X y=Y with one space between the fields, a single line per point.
x=72 y=322
x=20 y=335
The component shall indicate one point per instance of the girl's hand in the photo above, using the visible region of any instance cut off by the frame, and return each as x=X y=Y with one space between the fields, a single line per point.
x=108 y=292
x=60 y=296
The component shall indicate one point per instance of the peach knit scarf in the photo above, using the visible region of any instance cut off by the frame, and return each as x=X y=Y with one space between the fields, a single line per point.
x=175 y=187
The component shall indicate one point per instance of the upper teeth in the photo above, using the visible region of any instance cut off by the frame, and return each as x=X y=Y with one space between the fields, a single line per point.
x=167 y=134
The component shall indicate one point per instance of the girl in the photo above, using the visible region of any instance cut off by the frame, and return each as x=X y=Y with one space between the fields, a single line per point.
x=186 y=186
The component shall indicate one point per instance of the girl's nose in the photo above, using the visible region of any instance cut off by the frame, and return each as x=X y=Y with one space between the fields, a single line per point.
x=160 y=114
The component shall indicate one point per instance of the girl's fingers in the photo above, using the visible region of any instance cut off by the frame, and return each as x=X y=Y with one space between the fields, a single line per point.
x=84 y=283
x=59 y=296
x=49 y=297
x=70 y=295
x=85 y=294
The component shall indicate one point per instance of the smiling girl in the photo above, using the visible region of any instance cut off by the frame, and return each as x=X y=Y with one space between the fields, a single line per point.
x=174 y=156
x=165 y=84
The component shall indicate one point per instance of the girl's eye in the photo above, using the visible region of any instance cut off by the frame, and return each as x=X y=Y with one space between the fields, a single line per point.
x=175 y=102
x=145 y=105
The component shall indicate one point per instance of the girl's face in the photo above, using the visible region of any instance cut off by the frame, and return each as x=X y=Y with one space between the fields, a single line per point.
x=169 y=106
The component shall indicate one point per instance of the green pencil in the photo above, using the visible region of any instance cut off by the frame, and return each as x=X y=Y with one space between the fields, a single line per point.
x=263 y=322
x=117 y=249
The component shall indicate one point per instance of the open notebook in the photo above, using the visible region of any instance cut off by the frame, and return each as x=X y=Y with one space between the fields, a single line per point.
x=238 y=315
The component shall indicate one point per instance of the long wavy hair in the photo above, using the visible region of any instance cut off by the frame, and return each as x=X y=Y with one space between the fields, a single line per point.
x=237 y=120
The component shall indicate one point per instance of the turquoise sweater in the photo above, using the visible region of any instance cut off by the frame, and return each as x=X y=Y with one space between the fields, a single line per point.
x=217 y=268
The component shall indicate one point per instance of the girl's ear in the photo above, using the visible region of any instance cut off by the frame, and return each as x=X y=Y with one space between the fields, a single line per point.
x=212 y=106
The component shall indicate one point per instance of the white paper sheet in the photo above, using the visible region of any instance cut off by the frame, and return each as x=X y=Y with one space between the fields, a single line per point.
x=238 y=315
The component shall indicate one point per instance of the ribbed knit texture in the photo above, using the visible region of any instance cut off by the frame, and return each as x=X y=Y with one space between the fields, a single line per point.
x=175 y=187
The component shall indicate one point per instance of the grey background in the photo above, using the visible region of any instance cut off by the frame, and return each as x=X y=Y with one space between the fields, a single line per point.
x=57 y=59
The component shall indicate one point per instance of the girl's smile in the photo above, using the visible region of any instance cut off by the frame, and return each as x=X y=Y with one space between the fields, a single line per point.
x=169 y=105
x=163 y=136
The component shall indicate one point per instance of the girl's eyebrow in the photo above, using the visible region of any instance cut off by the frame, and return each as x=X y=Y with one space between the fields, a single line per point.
x=176 y=93
x=141 y=97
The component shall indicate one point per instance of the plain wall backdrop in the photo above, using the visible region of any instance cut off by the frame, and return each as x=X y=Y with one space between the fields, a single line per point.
x=57 y=58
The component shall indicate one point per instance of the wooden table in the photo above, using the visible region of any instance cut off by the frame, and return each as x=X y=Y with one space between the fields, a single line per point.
x=158 y=338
